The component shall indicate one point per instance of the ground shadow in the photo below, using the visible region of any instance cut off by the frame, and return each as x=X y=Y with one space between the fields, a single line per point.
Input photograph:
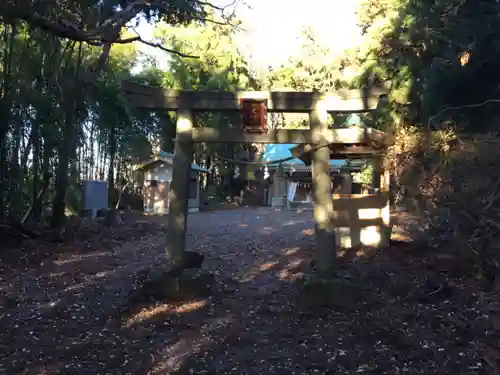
x=395 y=309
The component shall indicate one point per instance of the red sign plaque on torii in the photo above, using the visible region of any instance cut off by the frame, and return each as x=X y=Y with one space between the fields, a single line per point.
x=254 y=115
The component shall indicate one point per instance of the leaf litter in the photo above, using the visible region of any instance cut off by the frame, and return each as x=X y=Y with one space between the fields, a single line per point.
x=395 y=312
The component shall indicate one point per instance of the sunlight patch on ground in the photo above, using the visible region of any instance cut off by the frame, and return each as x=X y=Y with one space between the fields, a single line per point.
x=366 y=252
x=307 y=232
x=88 y=280
x=292 y=222
x=341 y=253
x=44 y=306
x=76 y=288
x=267 y=230
x=267 y=266
x=79 y=257
x=44 y=370
x=256 y=269
x=285 y=268
x=291 y=251
x=175 y=355
x=399 y=236
x=166 y=308
x=291 y=270
x=55 y=275
x=192 y=342
x=101 y=275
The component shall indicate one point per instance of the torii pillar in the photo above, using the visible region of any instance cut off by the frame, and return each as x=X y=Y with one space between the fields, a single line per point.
x=323 y=204
x=179 y=193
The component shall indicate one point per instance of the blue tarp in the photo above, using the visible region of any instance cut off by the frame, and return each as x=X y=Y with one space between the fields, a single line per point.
x=282 y=151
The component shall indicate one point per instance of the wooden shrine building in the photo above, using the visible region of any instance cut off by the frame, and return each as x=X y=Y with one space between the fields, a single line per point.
x=317 y=146
x=289 y=184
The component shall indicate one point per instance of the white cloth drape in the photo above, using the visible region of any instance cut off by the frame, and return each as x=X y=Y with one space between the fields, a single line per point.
x=292 y=188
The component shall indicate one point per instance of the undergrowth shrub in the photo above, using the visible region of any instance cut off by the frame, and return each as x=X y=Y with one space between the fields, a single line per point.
x=452 y=183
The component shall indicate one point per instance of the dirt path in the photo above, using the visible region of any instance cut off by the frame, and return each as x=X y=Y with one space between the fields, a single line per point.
x=65 y=316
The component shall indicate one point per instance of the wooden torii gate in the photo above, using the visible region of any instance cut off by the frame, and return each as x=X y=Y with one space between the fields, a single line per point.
x=316 y=140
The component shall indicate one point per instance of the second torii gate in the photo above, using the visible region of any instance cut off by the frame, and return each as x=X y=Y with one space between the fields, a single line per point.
x=317 y=139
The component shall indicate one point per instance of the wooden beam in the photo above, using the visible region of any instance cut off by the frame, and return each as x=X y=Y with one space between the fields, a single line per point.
x=353 y=135
x=350 y=143
x=343 y=222
x=346 y=202
x=354 y=151
x=361 y=100
x=351 y=155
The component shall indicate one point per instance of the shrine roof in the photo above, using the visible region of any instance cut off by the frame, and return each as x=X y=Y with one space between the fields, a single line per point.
x=163 y=157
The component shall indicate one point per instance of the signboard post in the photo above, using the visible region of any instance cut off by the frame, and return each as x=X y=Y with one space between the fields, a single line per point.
x=95 y=196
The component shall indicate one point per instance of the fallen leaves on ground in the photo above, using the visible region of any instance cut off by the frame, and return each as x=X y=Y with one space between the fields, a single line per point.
x=399 y=312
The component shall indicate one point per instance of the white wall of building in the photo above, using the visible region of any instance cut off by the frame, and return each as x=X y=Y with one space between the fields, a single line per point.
x=161 y=173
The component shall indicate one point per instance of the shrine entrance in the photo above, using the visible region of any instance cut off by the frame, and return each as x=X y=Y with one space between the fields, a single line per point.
x=316 y=146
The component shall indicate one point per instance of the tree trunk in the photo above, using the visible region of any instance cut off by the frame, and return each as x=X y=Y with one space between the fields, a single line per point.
x=167 y=133
x=66 y=150
x=62 y=173
x=112 y=195
x=35 y=167
x=14 y=198
x=5 y=115
x=112 y=157
x=3 y=173
x=46 y=173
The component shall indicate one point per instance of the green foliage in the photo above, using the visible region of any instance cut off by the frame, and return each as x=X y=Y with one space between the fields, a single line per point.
x=220 y=66
x=98 y=22
x=63 y=113
x=315 y=69
x=365 y=175
x=437 y=55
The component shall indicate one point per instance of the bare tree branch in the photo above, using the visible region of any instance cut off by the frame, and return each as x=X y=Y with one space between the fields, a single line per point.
x=108 y=30
x=447 y=109
x=139 y=39
x=70 y=23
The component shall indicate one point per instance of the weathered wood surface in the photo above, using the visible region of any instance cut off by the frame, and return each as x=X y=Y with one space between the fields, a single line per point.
x=323 y=208
x=359 y=201
x=359 y=212
x=343 y=221
x=353 y=142
x=286 y=136
x=347 y=210
x=360 y=100
x=179 y=191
